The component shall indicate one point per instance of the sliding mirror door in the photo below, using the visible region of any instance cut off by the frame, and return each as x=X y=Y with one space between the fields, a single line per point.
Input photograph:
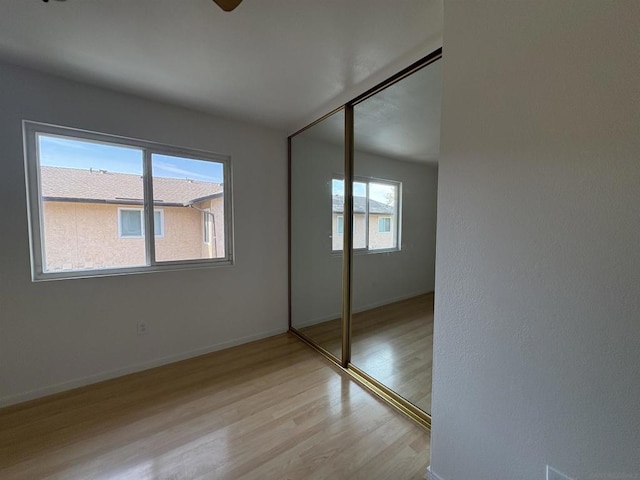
x=396 y=148
x=317 y=227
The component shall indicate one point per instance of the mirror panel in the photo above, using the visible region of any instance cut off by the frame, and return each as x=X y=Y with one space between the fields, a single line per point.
x=396 y=149
x=317 y=223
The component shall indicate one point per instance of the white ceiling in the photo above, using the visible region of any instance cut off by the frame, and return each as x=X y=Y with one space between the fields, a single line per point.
x=280 y=63
x=401 y=122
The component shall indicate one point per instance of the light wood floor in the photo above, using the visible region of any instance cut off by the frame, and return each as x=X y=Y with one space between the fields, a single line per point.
x=272 y=409
x=392 y=343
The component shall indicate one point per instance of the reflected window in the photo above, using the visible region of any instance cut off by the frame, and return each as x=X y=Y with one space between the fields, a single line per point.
x=384 y=224
x=376 y=225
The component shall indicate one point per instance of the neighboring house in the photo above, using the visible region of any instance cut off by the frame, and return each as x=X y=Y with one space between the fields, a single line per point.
x=382 y=224
x=93 y=219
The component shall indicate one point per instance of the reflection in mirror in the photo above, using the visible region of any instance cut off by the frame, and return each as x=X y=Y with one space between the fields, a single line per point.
x=396 y=143
x=317 y=226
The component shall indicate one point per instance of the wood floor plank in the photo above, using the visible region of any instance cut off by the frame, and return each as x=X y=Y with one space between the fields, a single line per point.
x=268 y=409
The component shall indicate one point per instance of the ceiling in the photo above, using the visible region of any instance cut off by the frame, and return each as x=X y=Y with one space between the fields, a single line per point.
x=280 y=63
x=401 y=122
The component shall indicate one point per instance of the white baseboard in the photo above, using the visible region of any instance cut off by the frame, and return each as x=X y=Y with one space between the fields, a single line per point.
x=100 y=377
x=429 y=475
x=362 y=308
x=318 y=320
x=386 y=301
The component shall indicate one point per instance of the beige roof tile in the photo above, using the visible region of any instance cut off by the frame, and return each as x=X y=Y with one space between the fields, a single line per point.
x=100 y=185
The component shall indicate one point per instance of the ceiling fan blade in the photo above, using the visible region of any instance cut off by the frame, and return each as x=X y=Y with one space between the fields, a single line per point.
x=227 y=5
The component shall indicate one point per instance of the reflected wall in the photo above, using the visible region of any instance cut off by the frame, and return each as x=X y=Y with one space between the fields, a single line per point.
x=396 y=142
x=317 y=161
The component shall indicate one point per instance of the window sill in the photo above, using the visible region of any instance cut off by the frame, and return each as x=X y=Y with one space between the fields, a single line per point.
x=114 y=272
x=364 y=251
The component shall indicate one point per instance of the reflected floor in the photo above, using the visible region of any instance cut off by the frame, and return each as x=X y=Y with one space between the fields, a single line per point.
x=392 y=343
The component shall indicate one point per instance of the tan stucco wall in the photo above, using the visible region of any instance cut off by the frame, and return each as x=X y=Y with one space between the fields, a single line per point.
x=82 y=235
x=379 y=240
x=85 y=235
x=183 y=236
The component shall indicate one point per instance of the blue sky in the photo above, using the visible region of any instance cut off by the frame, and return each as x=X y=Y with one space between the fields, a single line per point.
x=58 y=151
x=377 y=191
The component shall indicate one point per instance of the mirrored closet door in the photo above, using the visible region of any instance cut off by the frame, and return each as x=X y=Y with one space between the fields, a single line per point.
x=316 y=232
x=363 y=191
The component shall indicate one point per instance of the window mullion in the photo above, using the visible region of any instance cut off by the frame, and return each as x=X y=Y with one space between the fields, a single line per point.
x=149 y=230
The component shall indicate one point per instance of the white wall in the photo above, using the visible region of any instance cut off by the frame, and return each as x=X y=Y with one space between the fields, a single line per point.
x=56 y=335
x=316 y=272
x=537 y=322
x=378 y=278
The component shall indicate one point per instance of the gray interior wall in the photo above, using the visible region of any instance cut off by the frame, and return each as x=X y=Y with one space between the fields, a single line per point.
x=537 y=310
x=316 y=272
x=379 y=278
x=56 y=335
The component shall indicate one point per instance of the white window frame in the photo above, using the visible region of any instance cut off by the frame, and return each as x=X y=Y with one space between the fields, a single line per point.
x=142 y=222
x=339 y=219
x=397 y=225
x=31 y=130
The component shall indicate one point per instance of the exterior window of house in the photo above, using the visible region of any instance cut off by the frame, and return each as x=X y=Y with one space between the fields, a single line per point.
x=384 y=224
x=131 y=222
x=376 y=214
x=206 y=226
x=90 y=196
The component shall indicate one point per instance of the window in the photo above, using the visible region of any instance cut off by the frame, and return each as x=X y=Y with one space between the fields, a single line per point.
x=90 y=196
x=131 y=223
x=384 y=224
x=206 y=226
x=158 y=223
x=375 y=202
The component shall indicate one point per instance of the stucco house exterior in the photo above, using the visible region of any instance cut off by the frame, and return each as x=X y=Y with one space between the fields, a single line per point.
x=93 y=219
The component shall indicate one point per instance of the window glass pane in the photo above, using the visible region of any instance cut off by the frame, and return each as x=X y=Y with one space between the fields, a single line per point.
x=83 y=184
x=384 y=225
x=340 y=225
x=131 y=223
x=185 y=188
x=206 y=219
x=158 y=227
x=382 y=215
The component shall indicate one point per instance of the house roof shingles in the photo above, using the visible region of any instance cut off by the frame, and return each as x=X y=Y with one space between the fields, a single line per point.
x=359 y=204
x=111 y=187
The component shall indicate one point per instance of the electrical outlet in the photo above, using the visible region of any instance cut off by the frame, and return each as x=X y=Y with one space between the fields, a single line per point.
x=553 y=474
x=142 y=328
